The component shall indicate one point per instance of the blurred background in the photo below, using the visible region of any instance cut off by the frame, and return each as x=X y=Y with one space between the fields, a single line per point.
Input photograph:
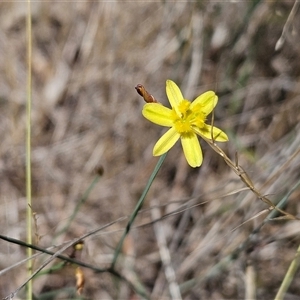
x=87 y=59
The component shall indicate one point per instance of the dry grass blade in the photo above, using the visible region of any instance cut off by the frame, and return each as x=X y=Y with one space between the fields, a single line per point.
x=165 y=255
x=246 y=179
x=287 y=25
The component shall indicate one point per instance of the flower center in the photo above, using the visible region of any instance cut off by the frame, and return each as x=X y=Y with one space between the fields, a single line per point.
x=188 y=118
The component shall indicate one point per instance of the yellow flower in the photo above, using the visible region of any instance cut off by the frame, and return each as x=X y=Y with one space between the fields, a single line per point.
x=186 y=119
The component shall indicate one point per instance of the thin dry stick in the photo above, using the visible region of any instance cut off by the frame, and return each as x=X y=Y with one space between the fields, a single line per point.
x=281 y=169
x=28 y=149
x=165 y=255
x=289 y=276
x=246 y=179
x=250 y=282
x=287 y=25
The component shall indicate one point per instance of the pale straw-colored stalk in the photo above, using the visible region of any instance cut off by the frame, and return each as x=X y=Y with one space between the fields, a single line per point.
x=28 y=149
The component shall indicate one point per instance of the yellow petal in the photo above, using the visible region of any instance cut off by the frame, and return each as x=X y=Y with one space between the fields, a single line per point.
x=158 y=114
x=174 y=94
x=166 y=142
x=192 y=149
x=206 y=101
x=208 y=131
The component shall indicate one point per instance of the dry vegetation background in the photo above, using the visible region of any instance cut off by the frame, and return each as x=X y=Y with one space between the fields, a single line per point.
x=87 y=59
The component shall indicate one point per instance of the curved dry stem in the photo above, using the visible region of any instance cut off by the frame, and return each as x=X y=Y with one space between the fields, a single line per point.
x=247 y=180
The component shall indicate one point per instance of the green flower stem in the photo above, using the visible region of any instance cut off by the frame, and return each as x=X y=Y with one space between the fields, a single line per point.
x=137 y=208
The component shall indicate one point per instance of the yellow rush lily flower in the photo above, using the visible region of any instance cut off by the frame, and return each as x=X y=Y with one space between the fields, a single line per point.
x=186 y=119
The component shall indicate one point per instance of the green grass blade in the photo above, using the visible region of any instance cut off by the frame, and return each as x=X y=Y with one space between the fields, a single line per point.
x=137 y=208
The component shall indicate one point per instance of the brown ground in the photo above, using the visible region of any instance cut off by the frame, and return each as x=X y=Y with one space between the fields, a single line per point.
x=87 y=59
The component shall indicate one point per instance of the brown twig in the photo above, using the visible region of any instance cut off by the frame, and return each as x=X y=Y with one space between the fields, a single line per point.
x=246 y=179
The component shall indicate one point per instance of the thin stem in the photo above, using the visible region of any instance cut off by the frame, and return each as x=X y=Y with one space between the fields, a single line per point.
x=58 y=254
x=247 y=180
x=137 y=208
x=287 y=25
x=289 y=276
x=28 y=148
